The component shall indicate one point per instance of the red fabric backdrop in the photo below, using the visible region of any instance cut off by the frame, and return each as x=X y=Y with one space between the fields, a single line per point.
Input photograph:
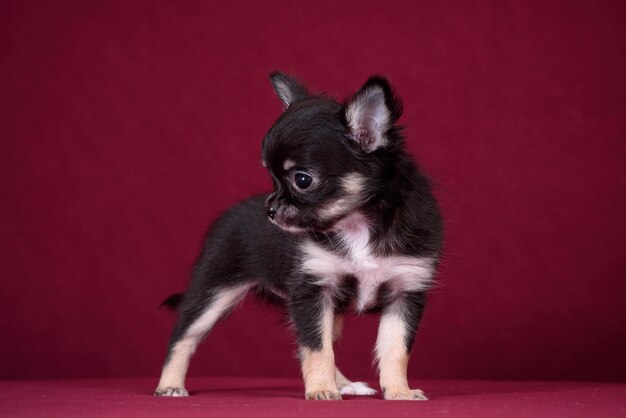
x=126 y=127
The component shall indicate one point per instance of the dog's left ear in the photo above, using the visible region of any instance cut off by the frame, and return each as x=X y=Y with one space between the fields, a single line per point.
x=371 y=112
x=288 y=89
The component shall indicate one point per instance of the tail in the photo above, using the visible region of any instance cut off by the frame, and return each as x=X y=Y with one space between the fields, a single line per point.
x=172 y=302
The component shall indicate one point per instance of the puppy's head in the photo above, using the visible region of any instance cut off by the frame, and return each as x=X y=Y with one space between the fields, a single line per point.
x=327 y=159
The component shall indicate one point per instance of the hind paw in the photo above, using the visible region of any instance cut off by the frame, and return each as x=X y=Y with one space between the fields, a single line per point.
x=357 y=388
x=170 y=391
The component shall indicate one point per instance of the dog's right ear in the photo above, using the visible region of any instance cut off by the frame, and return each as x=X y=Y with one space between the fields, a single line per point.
x=288 y=89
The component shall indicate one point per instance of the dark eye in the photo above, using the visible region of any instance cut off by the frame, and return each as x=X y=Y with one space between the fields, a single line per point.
x=303 y=180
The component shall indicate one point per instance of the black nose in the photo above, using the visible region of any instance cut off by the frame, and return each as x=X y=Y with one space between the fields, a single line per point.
x=271 y=211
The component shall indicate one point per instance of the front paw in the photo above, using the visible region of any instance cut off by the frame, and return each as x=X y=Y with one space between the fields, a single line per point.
x=323 y=395
x=170 y=391
x=404 y=395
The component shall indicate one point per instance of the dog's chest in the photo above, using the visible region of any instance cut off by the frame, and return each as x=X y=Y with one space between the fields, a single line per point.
x=330 y=267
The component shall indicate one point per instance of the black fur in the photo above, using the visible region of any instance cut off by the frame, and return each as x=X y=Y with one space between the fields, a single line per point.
x=415 y=303
x=172 y=302
x=317 y=133
x=305 y=309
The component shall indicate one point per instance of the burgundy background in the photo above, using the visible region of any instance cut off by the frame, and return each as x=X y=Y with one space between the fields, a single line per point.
x=242 y=397
x=126 y=127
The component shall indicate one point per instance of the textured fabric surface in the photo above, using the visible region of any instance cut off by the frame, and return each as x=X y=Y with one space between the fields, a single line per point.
x=126 y=127
x=245 y=397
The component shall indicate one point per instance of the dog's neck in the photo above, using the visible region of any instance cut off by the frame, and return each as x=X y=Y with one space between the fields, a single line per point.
x=390 y=222
x=396 y=215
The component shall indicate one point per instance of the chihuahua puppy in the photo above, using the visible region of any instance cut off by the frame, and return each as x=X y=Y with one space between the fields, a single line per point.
x=352 y=225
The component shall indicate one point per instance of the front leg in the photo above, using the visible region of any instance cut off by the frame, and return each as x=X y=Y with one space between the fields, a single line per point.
x=396 y=334
x=312 y=314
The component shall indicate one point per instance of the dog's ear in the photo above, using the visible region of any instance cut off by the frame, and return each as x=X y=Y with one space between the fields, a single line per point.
x=288 y=89
x=371 y=112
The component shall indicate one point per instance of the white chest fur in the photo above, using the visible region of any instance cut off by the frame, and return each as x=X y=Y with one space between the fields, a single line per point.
x=399 y=273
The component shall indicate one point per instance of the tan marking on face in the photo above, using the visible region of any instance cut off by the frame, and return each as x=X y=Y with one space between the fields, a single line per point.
x=353 y=185
x=288 y=164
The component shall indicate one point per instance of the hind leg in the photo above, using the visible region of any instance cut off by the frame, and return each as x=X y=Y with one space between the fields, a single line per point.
x=346 y=386
x=193 y=324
